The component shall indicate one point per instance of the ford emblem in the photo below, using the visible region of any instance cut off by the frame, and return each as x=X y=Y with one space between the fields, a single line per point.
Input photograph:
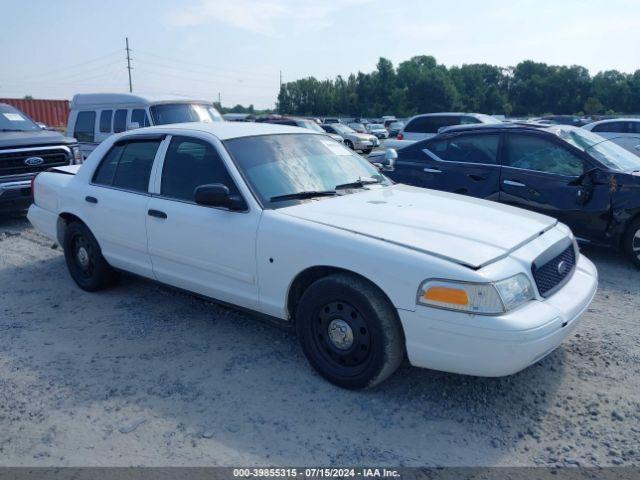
x=34 y=161
x=562 y=267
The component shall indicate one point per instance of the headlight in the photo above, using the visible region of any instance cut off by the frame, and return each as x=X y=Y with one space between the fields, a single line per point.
x=481 y=298
x=77 y=155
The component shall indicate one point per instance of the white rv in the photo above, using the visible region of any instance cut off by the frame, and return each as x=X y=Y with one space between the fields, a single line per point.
x=93 y=117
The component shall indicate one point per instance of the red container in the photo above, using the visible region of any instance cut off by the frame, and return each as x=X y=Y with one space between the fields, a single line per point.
x=53 y=113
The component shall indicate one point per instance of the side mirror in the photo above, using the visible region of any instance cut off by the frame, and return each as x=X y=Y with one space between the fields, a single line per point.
x=581 y=180
x=133 y=126
x=217 y=195
x=388 y=162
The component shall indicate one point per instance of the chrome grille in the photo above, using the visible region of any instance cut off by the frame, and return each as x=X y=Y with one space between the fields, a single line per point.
x=555 y=272
x=12 y=162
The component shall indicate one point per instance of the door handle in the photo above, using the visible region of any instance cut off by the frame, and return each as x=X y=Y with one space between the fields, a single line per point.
x=157 y=214
x=431 y=170
x=91 y=199
x=513 y=184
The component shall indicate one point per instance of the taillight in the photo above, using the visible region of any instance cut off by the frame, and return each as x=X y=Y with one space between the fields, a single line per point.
x=400 y=136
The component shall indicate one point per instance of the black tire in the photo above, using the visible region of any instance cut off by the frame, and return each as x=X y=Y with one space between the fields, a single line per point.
x=349 y=144
x=367 y=152
x=377 y=341
x=85 y=262
x=631 y=242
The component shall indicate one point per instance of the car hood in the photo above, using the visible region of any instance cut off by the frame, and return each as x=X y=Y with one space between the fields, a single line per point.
x=34 y=138
x=465 y=230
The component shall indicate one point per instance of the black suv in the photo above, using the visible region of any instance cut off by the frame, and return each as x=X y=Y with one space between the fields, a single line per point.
x=25 y=150
x=585 y=181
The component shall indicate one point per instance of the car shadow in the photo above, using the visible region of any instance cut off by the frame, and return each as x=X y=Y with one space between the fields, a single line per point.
x=197 y=383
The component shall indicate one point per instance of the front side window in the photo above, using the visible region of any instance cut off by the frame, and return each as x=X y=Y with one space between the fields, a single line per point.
x=468 y=149
x=105 y=121
x=285 y=164
x=611 y=127
x=532 y=152
x=189 y=163
x=128 y=165
x=120 y=121
x=85 y=126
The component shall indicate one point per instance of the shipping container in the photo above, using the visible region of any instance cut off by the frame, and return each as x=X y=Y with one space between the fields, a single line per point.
x=53 y=113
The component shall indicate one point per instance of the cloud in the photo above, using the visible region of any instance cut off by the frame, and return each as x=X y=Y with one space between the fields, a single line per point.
x=264 y=17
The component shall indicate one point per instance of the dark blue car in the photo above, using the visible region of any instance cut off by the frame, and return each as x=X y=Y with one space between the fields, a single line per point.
x=585 y=181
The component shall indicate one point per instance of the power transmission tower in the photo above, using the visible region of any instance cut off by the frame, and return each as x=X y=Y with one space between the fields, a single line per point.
x=129 y=64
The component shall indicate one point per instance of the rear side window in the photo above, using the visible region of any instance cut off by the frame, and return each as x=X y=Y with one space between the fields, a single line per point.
x=634 y=127
x=105 y=121
x=468 y=149
x=431 y=124
x=611 y=127
x=84 y=130
x=531 y=152
x=140 y=117
x=120 y=121
x=128 y=166
x=189 y=163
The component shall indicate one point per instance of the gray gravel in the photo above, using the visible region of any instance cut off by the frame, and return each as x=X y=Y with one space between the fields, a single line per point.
x=142 y=375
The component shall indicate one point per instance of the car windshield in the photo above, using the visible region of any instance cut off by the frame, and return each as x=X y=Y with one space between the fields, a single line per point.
x=604 y=150
x=13 y=120
x=343 y=129
x=376 y=126
x=311 y=125
x=184 y=112
x=396 y=125
x=286 y=164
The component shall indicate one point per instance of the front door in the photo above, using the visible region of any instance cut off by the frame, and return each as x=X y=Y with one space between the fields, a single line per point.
x=207 y=250
x=541 y=174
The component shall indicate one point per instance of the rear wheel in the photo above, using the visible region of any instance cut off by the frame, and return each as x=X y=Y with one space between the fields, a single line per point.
x=349 y=332
x=85 y=262
x=631 y=242
x=349 y=144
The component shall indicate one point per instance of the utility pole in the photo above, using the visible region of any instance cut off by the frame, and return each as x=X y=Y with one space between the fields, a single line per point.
x=219 y=101
x=129 y=64
x=280 y=79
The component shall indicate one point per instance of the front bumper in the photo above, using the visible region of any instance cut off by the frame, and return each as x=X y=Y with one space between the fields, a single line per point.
x=15 y=195
x=439 y=339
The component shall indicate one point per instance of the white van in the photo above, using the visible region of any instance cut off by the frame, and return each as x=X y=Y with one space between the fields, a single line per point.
x=96 y=116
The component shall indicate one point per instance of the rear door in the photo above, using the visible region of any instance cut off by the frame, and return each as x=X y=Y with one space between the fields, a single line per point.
x=541 y=173
x=115 y=203
x=466 y=164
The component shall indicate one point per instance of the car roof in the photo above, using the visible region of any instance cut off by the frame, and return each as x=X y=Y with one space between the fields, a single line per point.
x=505 y=126
x=227 y=130
x=87 y=99
x=610 y=120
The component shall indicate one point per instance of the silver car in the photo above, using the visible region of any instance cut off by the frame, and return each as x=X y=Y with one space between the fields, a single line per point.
x=355 y=141
x=378 y=130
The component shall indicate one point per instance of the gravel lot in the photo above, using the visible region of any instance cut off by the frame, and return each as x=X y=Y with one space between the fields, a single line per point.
x=142 y=375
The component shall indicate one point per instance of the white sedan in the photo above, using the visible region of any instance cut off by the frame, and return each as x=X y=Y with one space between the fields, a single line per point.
x=291 y=224
x=622 y=131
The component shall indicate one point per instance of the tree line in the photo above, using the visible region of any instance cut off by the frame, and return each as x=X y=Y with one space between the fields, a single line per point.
x=421 y=85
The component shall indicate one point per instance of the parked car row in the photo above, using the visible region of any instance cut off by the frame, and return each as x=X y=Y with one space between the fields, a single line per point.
x=291 y=224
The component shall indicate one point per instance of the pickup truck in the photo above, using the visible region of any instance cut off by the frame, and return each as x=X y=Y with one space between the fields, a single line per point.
x=291 y=224
x=25 y=150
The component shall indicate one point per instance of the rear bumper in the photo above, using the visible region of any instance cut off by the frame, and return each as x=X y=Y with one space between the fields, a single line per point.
x=439 y=340
x=44 y=221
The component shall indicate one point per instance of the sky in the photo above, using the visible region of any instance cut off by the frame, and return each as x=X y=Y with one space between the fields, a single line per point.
x=237 y=48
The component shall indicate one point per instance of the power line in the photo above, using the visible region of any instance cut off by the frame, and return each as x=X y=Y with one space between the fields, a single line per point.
x=70 y=67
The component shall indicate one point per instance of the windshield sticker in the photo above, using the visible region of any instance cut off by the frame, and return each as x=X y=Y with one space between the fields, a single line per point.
x=336 y=148
x=15 y=117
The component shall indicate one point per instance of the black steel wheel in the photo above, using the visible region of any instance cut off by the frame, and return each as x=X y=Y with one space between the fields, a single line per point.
x=631 y=242
x=85 y=262
x=349 y=332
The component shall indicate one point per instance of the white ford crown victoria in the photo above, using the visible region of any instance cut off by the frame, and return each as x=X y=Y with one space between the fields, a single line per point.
x=293 y=225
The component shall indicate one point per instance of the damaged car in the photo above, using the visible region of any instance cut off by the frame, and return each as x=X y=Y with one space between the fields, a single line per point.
x=587 y=182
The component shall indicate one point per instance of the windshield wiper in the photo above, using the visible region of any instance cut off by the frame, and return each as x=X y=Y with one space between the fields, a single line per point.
x=302 y=195
x=361 y=182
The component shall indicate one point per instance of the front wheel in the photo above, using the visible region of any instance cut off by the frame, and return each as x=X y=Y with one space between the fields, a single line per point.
x=349 y=144
x=349 y=331
x=631 y=242
x=85 y=262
